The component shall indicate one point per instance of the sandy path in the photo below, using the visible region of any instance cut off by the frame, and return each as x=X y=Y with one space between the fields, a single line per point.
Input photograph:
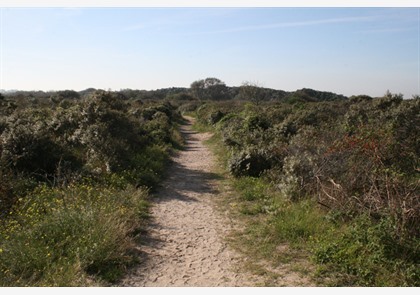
x=184 y=245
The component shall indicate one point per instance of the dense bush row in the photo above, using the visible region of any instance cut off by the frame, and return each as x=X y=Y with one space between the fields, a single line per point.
x=74 y=175
x=353 y=157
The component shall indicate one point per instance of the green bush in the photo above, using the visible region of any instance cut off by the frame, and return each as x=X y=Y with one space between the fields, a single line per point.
x=353 y=159
x=68 y=209
x=250 y=163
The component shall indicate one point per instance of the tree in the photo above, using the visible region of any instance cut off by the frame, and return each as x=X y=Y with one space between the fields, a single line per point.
x=251 y=91
x=197 y=89
x=209 y=88
x=68 y=94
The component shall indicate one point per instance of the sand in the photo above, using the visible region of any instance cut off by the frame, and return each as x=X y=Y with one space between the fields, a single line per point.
x=185 y=244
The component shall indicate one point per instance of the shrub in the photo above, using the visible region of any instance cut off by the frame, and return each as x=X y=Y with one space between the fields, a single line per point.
x=356 y=159
x=215 y=117
x=67 y=209
x=28 y=147
x=250 y=163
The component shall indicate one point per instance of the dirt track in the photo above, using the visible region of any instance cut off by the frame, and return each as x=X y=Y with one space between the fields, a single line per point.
x=184 y=245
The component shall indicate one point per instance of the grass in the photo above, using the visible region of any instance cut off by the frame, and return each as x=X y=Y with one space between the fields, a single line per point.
x=78 y=236
x=365 y=253
x=81 y=234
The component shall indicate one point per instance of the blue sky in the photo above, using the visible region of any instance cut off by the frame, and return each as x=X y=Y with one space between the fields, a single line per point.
x=344 y=50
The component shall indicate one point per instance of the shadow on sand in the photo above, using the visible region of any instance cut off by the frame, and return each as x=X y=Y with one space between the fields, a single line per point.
x=182 y=183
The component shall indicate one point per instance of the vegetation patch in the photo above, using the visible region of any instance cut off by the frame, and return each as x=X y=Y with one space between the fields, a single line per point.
x=339 y=182
x=317 y=176
x=75 y=175
x=65 y=237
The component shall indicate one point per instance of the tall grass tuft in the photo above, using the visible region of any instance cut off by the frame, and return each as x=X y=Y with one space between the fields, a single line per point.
x=298 y=223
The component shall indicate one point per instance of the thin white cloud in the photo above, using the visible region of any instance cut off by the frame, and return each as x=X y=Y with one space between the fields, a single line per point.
x=174 y=18
x=389 y=30
x=134 y=28
x=159 y=23
x=291 y=24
